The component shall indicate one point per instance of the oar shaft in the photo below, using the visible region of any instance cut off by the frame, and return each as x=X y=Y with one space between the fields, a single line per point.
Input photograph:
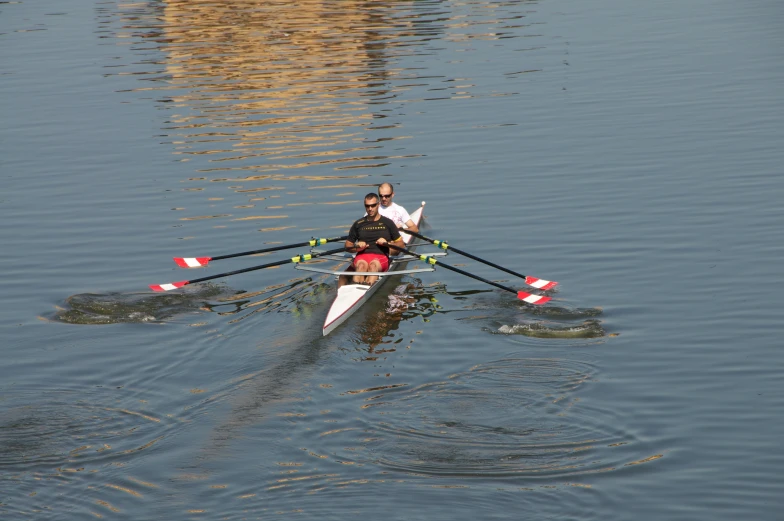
x=477 y=277
x=314 y=242
x=433 y=261
x=444 y=246
x=236 y=272
x=296 y=259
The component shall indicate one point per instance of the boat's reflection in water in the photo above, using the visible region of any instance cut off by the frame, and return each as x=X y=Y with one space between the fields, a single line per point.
x=375 y=331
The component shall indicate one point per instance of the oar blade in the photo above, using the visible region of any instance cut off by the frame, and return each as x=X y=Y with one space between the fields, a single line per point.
x=532 y=299
x=168 y=287
x=192 y=262
x=542 y=284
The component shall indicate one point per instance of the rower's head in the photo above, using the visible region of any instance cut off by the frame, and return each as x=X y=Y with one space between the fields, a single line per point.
x=371 y=205
x=386 y=193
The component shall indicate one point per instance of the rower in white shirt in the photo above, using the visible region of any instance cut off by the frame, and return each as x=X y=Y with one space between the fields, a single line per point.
x=394 y=211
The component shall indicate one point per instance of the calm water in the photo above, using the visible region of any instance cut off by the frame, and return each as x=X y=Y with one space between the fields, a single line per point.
x=631 y=151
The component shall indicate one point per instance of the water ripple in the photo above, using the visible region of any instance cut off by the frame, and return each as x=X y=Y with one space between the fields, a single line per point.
x=511 y=417
x=75 y=436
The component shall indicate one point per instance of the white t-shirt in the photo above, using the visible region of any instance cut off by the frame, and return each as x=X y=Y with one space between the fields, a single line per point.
x=397 y=213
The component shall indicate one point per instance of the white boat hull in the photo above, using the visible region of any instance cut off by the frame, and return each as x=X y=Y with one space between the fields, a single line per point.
x=350 y=297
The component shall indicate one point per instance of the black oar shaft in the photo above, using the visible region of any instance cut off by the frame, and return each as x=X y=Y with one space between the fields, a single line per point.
x=314 y=242
x=432 y=260
x=298 y=258
x=444 y=246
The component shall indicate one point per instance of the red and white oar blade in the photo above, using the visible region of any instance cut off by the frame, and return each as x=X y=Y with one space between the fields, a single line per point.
x=542 y=284
x=192 y=262
x=168 y=287
x=532 y=299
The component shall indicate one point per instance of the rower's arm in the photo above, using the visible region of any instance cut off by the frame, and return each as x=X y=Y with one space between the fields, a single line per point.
x=411 y=226
x=355 y=247
x=399 y=243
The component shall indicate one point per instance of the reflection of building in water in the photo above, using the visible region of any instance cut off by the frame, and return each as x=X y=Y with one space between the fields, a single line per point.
x=270 y=97
x=270 y=86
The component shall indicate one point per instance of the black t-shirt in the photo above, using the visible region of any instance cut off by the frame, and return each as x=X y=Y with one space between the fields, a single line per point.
x=370 y=231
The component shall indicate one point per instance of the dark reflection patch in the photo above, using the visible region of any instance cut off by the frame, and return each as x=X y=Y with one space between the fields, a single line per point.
x=118 y=308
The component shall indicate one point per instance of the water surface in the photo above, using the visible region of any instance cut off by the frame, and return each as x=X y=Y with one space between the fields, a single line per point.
x=630 y=151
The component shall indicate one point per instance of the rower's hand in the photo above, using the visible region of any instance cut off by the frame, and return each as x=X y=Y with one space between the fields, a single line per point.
x=381 y=241
x=361 y=245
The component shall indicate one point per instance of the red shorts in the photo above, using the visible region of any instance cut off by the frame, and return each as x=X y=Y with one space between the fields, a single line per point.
x=367 y=257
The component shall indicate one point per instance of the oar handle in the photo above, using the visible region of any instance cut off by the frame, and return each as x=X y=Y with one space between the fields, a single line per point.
x=433 y=261
x=312 y=242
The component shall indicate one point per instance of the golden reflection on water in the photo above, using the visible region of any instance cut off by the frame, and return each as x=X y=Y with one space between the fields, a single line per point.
x=270 y=87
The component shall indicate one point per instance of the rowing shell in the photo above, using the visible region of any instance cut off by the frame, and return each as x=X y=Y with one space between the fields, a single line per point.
x=350 y=297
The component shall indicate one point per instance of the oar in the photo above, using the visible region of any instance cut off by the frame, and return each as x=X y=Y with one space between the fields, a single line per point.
x=531 y=281
x=522 y=295
x=298 y=258
x=198 y=262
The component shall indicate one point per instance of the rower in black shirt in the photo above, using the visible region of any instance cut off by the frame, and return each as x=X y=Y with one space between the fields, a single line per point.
x=368 y=237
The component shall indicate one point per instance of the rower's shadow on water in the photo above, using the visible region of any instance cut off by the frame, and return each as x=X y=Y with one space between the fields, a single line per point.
x=284 y=359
